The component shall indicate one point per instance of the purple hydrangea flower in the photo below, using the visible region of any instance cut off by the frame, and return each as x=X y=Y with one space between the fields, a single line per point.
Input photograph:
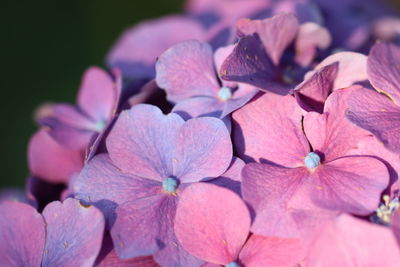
x=152 y=158
x=66 y=234
x=193 y=83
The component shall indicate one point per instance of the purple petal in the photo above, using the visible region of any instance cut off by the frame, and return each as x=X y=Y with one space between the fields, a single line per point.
x=382 y=69
x=136 y=50
x=240 y=97
x=312 y=93
x=193 y=76
x=276 y=33
x=310 y=38
x=50 y=161
x=143 y=140
x=269 y=129
x=377 y=114
x=98 y=95
x=196 y=155
x=352 y=68
x=349 y=184
x=217 y=228
x=22 y=235
x=139 y=225
x=250 y=64
x=104 y=185
x=74 y=234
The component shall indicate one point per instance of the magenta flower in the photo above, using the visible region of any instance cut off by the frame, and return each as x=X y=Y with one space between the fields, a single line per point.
x=306 y=166
x=152 y=158
x=349 y=242
x=194 y=84
x=66 y=234
x=379 y=113
x=137 y=49
x=78 y=127
x=256 y=58
x=213 y=224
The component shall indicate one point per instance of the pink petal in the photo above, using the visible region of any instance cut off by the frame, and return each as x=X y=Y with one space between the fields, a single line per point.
x=381 y=73
x=312 y=93
x=396 y=225
x=331 y=133
x=98 y=94
x=198 y=156
x=200 y=106
x=349 y=184
x=352 y=68
x=138 y=47
x=232 y=178
x=311 y=37
x=377 y=114
x=269 y=128
x=349 y=242
x=276 y=33
x=146 y=153
x=271 y=252
x=74 y=234
x=269 y=190
x=217 y=228
x=50 y=161
x=22 y=235
x=193 y=76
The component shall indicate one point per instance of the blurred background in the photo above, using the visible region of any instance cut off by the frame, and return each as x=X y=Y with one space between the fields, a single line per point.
x=46 y=45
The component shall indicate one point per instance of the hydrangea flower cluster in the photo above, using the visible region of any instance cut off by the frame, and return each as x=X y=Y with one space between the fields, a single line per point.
x=243 y=133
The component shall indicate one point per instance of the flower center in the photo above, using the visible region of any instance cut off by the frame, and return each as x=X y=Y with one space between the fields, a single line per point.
x=224 y=93
x=232 y=264
x=170 y=185
x=312 y=160
x=100 y=125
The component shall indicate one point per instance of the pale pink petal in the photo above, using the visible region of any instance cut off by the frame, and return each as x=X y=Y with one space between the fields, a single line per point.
x=349 y=242
x=212 y=223
x=352 y=68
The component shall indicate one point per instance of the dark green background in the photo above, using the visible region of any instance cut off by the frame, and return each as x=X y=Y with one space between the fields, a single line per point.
x=45 y=47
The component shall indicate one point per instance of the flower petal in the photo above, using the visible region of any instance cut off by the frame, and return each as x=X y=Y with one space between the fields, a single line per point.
x=276 y=33
x=271 y=252
x=50 y=161
x=383 y=72
x=269 y=128
x=352 y=68
x=250 y=64
x=143 y=140
x=212 y=223
x=74 y=234
x=198 y=155
x=103 y=185
x=98 y=95
x=377 y=114
x=193 y=76
x=349 y=184
x=312 y=93
x=351 y=242
x=22 y=235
